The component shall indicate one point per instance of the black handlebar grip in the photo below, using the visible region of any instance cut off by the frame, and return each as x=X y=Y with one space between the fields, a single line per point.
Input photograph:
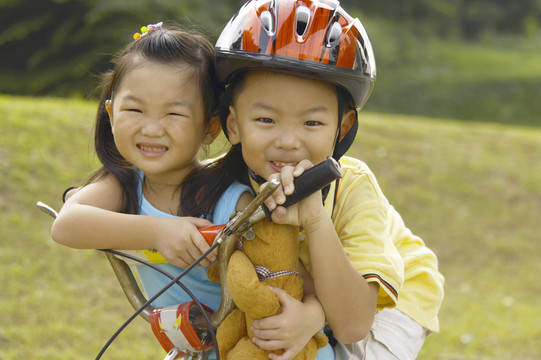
x=312 y=180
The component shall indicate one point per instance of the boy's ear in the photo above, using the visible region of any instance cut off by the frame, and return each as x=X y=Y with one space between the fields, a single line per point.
x=213 y=130
x=347 y=122
x=232 y=127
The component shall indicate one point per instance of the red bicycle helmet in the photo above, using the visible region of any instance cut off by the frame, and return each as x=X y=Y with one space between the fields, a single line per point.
x=315 y=38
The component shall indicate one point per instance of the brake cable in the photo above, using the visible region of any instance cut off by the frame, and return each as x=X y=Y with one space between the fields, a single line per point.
x=175 y=280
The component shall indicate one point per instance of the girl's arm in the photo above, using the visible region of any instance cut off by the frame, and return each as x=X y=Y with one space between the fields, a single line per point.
x=90 y=219
x=348 y=300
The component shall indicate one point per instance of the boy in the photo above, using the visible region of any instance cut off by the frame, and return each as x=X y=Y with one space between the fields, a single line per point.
x=296 y=73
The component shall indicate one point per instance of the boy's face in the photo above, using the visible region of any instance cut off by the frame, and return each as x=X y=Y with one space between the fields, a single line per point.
x=282 y=119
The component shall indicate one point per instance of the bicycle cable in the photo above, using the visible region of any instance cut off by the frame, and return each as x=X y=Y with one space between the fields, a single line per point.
x=175 y=280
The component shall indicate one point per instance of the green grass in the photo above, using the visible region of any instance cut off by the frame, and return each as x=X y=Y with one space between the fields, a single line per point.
x=471 y=190
x=57 y=303
x=497 y=79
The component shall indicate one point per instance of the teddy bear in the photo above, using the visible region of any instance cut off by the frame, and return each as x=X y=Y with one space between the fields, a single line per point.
x=270 y=260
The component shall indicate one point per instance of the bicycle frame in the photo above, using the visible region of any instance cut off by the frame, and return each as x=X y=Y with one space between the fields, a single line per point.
x=225 y=237
x=131 y=289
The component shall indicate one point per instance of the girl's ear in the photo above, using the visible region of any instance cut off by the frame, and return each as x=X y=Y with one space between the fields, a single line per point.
x=347 y=122
x=109 y=110
x=233 y=127
x=213 y=130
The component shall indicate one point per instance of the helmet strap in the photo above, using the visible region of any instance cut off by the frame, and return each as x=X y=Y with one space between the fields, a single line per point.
x=258 y=179
x=342 y=145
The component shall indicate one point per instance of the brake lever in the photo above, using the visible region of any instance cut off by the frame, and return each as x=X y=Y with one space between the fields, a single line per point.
x=243 y=220
x=310 y=181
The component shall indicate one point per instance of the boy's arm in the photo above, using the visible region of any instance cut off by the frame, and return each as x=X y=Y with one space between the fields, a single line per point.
x=90 y=220
x=349 y=301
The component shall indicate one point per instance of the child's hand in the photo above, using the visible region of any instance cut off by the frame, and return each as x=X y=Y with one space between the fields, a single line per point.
x=305 y=211
x=291 y=330
x=180 y=242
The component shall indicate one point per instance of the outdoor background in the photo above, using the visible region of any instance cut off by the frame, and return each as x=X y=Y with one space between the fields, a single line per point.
x=452 y=132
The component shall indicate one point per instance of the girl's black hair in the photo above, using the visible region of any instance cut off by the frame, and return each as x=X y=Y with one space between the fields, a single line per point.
x=170 y=46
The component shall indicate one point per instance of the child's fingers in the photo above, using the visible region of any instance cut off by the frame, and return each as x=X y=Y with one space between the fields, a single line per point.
x=269 y=328
x=270 y=203
x=199 y=247
x=268 y=334
x=178 y=261
x=289 y=173
x=287 y=177
x=283 y=296
x=191 y=254
x=268 y=344
x=266 y=324
x=279 y=215
x=277 y=197
x=271 y=345
x=301 y=167
x=289 y=354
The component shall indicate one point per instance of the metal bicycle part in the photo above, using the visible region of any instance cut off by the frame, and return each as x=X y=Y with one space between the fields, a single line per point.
x=172 y=354
x=122 y=271
x=229 y=238
x=129 y=285
x=239 y=224
x=47 y=209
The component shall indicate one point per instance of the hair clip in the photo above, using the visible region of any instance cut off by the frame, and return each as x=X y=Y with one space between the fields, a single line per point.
x=146 y=29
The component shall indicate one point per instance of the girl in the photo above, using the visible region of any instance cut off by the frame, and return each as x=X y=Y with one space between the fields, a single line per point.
x=157 y=108
x=155 y=111
x=296 y=73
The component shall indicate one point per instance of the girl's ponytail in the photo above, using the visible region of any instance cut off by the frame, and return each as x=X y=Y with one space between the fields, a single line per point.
x=203 y=188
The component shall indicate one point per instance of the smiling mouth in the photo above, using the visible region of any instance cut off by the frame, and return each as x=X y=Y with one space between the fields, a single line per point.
x=283 y=163
x=152 y=149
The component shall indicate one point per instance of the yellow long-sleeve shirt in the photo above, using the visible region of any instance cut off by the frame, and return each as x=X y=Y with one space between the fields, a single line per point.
x=373 y=235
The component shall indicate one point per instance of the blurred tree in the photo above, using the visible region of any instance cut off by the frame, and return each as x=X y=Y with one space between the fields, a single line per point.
x=50 y=45
x=504 y=16
x=57 y=46
x=466 y=19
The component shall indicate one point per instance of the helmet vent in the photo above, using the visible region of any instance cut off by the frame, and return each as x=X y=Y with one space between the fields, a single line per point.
x=303 y=16
x=334 y=33
x=267 y=22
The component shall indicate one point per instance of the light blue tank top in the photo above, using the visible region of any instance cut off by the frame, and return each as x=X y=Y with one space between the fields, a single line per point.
x=206 y=291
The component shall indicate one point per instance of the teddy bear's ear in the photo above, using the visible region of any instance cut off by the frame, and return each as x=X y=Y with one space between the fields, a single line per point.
x=213 y=272
x=321 y=340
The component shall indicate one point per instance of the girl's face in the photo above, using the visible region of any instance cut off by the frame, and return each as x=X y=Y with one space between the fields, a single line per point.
x=281 y=119
x=158 y=120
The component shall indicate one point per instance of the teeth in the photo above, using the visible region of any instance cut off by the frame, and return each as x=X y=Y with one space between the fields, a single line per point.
x=152 y=148
x=280 y=163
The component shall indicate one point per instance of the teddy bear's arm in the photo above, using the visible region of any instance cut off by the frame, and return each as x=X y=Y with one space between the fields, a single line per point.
x=249 y=294
x=230 y=331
